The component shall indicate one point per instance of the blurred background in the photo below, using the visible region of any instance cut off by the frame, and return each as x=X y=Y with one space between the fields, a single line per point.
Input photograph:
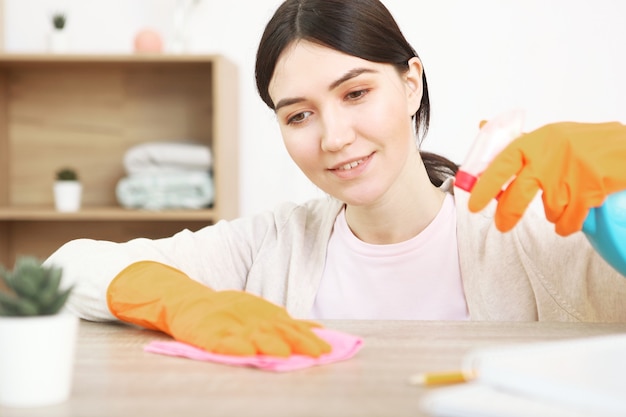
x=557 y=60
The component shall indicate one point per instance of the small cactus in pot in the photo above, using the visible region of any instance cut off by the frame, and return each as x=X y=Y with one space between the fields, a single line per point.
x=31 y=289
x=67 y=190
x=37 y=338
x=58 y=41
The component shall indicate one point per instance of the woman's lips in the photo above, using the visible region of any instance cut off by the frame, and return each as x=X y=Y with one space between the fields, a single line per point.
x=351 y=169
x=350 y=165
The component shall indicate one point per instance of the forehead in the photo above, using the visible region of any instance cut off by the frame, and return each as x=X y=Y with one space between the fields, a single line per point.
x=306 y=65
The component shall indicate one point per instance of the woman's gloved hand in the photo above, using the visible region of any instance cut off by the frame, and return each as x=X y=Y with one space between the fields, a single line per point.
x=159 y=297
x=576 y=165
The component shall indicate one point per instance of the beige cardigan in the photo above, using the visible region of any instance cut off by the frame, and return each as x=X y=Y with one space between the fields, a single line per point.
x=527 y=274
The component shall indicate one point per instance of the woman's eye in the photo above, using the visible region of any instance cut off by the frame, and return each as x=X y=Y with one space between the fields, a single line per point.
x=298 y=118
x=355 y=95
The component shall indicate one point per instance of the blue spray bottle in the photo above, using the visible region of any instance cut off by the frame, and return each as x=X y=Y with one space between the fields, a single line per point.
x=604 y=226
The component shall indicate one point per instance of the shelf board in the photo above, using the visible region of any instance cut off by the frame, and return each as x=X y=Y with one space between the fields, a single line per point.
x=28 y=58
x=103 y=214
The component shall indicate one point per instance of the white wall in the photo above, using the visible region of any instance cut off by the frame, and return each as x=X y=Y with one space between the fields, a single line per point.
x=558 y=60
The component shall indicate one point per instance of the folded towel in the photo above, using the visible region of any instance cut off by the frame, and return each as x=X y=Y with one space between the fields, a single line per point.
x=157 y=191
x=344 y=347
x=167 y=156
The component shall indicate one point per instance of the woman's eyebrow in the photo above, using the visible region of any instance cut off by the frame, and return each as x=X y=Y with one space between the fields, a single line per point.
x=287 y=102
x=349 y=75
x=353 y=73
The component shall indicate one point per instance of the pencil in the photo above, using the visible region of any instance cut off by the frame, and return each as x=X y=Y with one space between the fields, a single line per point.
x=440 y=378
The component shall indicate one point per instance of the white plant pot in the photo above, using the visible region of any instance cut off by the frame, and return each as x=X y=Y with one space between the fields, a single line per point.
x=67 y=195
x=58 y=42
x=37 y=359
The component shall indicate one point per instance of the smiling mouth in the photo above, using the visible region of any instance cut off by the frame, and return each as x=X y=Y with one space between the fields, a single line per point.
x=351 y=165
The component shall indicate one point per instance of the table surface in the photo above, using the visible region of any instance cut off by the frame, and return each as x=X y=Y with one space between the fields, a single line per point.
x=114 y=377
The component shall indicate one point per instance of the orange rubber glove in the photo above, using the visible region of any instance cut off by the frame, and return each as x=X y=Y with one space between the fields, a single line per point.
x=159 y=297
x=576 y=165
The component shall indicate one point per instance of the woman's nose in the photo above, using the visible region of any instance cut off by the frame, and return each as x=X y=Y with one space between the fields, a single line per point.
x=337 y=132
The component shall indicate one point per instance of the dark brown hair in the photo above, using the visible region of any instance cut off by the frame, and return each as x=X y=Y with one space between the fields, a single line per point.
x=361 y=28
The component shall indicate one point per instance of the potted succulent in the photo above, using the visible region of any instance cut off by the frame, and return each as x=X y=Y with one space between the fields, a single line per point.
x=67 y=190
x=58 y=37
x=37 y=340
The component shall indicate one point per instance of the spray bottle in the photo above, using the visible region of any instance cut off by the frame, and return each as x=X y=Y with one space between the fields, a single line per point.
x=492 y=138
x=604 y=226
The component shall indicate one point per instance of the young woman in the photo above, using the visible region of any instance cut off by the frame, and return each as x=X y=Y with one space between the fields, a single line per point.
x=393 y=239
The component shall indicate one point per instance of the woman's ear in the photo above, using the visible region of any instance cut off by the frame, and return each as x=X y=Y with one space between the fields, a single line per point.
x=413 y=79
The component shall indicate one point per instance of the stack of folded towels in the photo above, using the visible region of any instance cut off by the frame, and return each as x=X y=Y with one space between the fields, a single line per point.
x=167 y=175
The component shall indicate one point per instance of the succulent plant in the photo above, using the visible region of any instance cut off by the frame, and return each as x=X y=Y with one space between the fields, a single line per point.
x=58 y=21
x=31 y=289
x=67 y=174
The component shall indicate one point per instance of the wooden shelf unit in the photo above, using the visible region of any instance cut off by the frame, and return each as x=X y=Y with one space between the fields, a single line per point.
x=86 y=111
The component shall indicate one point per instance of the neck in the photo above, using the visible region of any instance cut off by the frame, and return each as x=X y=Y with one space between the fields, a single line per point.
x=405 y=210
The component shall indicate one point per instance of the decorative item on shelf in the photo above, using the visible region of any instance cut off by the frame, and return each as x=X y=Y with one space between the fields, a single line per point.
x=179 y=41
x=37 y=339
x=167 y=175
x=148 y=41
x=67 y=190
x=58 y=41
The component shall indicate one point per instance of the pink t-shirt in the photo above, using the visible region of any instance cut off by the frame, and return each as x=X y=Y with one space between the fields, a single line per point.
x=418 y=279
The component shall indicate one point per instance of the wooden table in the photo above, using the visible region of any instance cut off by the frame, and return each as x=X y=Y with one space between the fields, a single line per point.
x=115 y=377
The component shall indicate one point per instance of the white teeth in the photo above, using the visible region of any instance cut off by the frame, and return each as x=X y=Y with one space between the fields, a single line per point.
x=350 y=165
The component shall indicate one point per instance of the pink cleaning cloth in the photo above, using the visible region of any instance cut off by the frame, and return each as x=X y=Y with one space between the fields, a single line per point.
x=344 y=347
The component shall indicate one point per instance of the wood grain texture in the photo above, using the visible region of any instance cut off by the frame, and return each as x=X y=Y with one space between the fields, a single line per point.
x=114 y=377
x=5 y=244
x=85 y=112
x=87 y=118
x=5 y=166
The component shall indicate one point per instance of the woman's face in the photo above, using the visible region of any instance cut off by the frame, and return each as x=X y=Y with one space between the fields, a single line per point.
x=346 y=121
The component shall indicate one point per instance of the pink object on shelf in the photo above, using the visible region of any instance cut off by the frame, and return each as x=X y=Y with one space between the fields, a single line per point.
x=344 y=347
x=148 y=41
